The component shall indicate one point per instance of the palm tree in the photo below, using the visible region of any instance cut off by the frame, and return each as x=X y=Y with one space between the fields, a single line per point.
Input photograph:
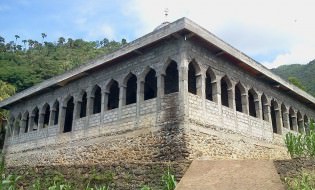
x=24 y=42
x=44 y=36
x=16 y=37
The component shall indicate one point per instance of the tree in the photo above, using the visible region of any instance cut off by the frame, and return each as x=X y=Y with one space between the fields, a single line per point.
x=24 y=42
x=6 y=90
x=43 y=36
x=61 y=40
x=16 y=37
x=297 y=83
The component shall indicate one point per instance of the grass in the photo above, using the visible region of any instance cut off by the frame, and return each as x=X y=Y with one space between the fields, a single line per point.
x=305 y=181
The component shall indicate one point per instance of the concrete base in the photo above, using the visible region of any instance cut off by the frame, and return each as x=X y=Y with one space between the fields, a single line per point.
x=231 y=174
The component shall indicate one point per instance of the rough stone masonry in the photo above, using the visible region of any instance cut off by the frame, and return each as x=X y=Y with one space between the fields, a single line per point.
x=176 y=94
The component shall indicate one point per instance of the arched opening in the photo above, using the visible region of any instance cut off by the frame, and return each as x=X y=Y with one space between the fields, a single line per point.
x=17 y=125
x=171 y=78
x=225 y=94
x=35 y=115
x=150 y=85
x=83 y=105
x=210 y=85
x=238 y=98
x=131 y=90
x=273 y=110
x=264 y=105
x=56 y=112
x=97 y=100
x=300 y=122
x=284 y=116
x=46 y=115
x=26 y=118
x=291 y=118
x=252 y=95
x=69 y=116
x=113 y=96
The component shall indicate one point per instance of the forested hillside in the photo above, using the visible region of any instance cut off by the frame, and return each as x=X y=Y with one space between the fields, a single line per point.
x=303 y=73
x=24 y=63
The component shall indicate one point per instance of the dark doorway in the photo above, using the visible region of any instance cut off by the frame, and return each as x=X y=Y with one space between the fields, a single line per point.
x=238 y=99
x=251 y=104
x=273 y=117
x=209 y=87
x=113 y=96
x=83 y=105
x=171 y=78
x=131 y=91
x=69 y=116
x=46 y=116
x=27 y=121
x=150 y=85
x=192 y=80
x=56 y=113
x=97 y=103
x=36 y=116
x=224 y=93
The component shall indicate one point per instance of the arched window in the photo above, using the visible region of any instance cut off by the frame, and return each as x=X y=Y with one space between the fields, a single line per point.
x=35 y=115
x=46 y=115
x=274 y=110
x=131 y=90
x=26 y=119
x=56 y=112
x=113 y=96
x=97 y=100
x=69 y=116
x=252 y=96
x=211 y=87
x=83 y=105
x=284 y=116
x=194 y=78
x=171 y=78
x=150 y=85
x=292 y=118
x=17 y=125
x=300 y=122
x=264 y=105
x=239 y=90
x=226 y=94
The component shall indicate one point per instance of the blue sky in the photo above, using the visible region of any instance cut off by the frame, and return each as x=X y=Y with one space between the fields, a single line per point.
x=272 y=32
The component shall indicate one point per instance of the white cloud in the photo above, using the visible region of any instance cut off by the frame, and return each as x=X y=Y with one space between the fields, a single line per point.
x=272 y=32
x=102 y=31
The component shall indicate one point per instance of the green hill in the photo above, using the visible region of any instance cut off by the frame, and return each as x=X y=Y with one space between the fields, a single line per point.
x=304 y=73
x=24 y=63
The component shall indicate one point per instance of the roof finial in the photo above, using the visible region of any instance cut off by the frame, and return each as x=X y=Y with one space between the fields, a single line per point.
x=165 y=14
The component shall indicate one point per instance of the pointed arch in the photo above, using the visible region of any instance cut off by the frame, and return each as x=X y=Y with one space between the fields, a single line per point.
x=306 y=124
x=112 y=89
x=194 y=78
x=35 y=118
x=265 y=107
x=96 y=99
x=55 y=111
x=131 y=88
x=83 y=104
x=240 y=102
x=253 y=103
x=292 y=119
x=17 y=125
x=226 y=92
x=285 y=116
x=211 y=85
x=300 y=122
x=150 y=85
x=68 y=115
x=276 y=117
x=26 y=120
x=45 y=114
x=171 y=78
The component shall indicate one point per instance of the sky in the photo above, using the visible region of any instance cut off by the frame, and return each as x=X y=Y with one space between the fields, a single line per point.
x=273 y=33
